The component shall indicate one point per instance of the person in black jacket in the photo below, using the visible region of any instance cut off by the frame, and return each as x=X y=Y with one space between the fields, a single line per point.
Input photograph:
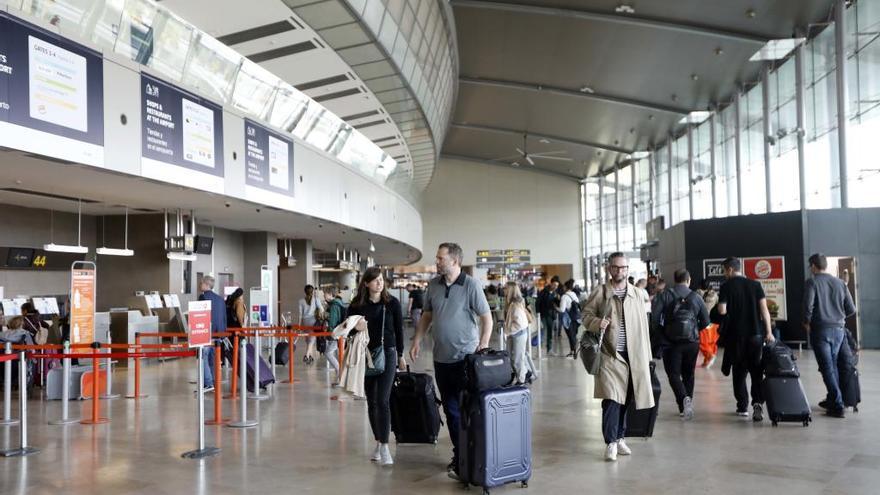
x=678 y=314
x=384 y=322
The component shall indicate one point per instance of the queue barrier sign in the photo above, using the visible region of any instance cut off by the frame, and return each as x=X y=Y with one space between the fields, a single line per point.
x=199 y=322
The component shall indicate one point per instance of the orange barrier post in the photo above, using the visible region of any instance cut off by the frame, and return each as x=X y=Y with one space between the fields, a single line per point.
x=137 y=371
x=96 y=399
x=218 y=389
x=233 y=393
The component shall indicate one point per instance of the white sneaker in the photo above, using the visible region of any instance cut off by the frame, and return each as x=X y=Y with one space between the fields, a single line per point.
x=611 y=452
x=623 y=448
x=377 y=454
x=710 y=363
x=688 y=409
x=385 y=455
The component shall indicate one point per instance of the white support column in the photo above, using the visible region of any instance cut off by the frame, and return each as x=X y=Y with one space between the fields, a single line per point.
x=765 y=109
x=842 y=98
x=712 y=163
x=690 y=140
x=737 y=138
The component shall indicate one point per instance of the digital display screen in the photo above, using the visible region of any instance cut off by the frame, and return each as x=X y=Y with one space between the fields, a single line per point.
x=19 y=257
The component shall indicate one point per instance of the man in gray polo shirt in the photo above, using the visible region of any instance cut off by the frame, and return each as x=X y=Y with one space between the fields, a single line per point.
x=462 y=324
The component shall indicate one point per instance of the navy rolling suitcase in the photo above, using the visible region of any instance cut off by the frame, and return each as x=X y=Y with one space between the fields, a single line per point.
x=495 y=440
x=266 y=375
x=786 y=400
x=415 y=410
x=640 y=422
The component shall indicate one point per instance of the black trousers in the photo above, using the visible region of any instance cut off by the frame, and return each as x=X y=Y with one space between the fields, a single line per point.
x=571 y=333
x=740 y=371
x=680 y=361
x=378 y=390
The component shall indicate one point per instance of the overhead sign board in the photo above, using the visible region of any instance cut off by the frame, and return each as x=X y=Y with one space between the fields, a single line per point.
x=180 y=134
x=268 y=158
x=51 y=94
x=500 y=258
x=714 y=272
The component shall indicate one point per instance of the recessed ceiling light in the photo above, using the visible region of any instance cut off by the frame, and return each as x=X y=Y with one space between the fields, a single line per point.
x=695 y=77
x=674 y=97
x=751 y=14
x=719 y=51
x=587 y=89
x=624 y=9
x=650 y=117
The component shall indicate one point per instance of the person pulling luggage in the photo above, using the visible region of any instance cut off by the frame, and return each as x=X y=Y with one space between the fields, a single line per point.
x=827 y=304
x=383 y=321
x=679 y=313
x=461 y=321
x=617 y=311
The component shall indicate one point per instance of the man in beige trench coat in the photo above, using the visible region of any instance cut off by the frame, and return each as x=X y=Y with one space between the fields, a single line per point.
x=618 y=309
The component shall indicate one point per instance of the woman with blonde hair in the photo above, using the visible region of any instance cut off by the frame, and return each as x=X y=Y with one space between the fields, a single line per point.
x=517 y=320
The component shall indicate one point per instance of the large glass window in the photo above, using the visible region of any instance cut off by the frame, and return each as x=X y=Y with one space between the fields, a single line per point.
x=593 y=203
x=754 y=195
x=642 y=199
x=625 y=206
x=725 y=162
x=821 y=154
x=661 y=184
x=784 y=186
x=680 y=190
x=609 y=215
x=702 y=171
x=863 y=64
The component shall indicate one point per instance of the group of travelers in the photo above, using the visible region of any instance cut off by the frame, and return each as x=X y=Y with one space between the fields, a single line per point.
x=637 y=322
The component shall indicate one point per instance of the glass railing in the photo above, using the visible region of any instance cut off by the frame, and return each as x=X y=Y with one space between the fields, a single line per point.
x=151 y=35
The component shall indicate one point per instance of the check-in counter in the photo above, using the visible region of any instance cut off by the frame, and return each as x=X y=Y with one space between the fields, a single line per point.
x=125 y=325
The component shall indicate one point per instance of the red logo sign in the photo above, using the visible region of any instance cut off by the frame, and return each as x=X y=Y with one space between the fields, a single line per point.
x=199 y=319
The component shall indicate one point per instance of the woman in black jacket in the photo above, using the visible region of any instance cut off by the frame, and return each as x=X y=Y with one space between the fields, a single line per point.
x=384 y=322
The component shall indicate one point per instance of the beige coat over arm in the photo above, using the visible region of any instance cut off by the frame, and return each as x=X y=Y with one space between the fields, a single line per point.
x=612 y=380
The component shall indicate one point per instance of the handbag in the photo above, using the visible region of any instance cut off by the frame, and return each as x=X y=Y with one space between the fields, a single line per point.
x=376 y=357
x=590 y=346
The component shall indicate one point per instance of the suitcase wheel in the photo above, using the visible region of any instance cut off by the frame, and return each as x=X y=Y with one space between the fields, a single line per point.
x=524 y=484
x=775 y=423
x=806 y=423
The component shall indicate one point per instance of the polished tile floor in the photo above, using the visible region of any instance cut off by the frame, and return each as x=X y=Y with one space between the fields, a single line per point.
x=308 y=443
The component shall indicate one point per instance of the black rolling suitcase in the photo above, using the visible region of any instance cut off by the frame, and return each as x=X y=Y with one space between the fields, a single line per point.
x=266 y=375
x=415 y=410
x=495 y=439
x=640 y=422
x=786 y=400
x=850 y=388
x=282 y=353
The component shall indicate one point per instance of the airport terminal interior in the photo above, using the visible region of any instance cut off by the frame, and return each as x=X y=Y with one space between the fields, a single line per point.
x=424 y=246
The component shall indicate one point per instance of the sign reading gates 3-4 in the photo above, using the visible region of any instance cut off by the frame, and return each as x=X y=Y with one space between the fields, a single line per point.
x=51 y=94
x=269 y=159
x=180 y=131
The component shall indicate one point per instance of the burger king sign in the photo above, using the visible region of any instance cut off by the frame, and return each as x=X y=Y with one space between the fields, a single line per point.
x=769 y=271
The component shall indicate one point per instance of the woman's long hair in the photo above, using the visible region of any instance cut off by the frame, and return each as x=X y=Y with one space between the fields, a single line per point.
x=363 y=293
x=230 y=299
x=513 y=296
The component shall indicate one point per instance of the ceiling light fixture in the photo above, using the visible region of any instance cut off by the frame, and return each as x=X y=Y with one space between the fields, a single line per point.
x=372 y=247
x=65 y=248
x=178 y=256
x=776 y=49
x=695 y=117
x=587 y=89
x=114 y=251
x=544 y=141
x=624 y=9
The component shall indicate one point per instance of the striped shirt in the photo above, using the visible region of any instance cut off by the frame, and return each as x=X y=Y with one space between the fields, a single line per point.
x=619 y=296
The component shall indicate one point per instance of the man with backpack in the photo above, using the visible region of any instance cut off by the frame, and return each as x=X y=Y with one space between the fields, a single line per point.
x=678 y=314
x=570 y=316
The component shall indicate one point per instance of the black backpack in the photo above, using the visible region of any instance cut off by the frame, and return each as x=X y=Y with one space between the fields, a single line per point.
x=681 y=326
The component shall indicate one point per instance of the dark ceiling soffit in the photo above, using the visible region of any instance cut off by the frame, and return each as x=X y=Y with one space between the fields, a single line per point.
x=338 y=94
x=282 y=52
x=536 y=170
x=606 y=147
x=542 y=88
x=317 y=83
x=256 y=33
x=628 y=20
